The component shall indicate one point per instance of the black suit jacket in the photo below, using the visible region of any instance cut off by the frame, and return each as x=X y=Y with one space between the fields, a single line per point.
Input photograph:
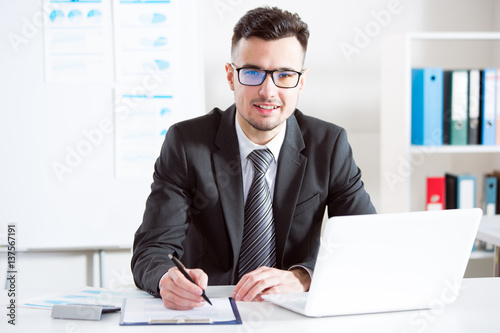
x=195 y=209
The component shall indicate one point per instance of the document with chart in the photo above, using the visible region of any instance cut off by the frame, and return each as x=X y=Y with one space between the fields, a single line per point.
x=77 y=41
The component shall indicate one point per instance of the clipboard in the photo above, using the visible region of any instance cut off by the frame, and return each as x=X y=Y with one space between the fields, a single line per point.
x=147 y=311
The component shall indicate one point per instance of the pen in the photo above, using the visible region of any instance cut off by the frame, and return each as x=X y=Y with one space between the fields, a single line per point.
x=180 y=266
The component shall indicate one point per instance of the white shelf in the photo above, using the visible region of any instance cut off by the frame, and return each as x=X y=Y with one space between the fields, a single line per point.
x=484 y=35
x=414 y=149
x=481 y=254
x=489 y=230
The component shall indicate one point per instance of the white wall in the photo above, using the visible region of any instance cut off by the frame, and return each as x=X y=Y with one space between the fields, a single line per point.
x=340 y=90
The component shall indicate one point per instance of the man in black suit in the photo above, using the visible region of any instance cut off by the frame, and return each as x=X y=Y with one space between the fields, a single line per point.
x=196 y=209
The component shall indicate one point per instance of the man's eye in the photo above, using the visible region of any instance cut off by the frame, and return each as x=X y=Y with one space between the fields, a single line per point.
x=286 y=75
x=252 y=73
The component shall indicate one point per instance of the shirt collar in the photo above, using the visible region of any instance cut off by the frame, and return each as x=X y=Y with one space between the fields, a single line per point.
x=247 y=146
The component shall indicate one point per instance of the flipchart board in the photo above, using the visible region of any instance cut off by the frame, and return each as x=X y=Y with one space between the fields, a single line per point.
x=89 y=89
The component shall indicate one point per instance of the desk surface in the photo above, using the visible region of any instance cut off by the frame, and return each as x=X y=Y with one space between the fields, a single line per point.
x=489 y=229
x=475 y=310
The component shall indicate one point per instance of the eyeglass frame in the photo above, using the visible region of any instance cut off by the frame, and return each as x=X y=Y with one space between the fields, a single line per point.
x=270 y=72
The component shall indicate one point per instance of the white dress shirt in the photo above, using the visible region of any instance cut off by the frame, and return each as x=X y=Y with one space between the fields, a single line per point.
x=247 y=169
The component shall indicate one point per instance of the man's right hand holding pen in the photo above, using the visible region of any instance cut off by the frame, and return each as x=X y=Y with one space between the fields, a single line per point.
x=179 y=293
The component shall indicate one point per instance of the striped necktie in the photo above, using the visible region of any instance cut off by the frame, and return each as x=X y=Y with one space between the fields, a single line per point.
x=258 y=247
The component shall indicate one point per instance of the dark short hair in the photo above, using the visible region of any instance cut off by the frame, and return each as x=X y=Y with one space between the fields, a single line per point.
x=270 y=24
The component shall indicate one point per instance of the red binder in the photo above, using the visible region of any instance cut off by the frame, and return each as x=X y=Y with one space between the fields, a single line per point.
x=435 y=193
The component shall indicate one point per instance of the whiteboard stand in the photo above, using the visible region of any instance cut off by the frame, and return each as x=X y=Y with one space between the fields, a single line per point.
x=95 y=260
x=102 y=254
x=95 y=269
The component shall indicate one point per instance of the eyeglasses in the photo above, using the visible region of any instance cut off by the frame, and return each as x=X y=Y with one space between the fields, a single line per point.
x=255 y=76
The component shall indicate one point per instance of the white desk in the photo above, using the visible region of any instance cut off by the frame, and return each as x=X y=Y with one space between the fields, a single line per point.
x=489 y=231
x=477 y=309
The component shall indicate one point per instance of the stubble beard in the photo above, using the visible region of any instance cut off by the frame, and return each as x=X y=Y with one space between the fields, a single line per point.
x=263 y=126
x=266 y=123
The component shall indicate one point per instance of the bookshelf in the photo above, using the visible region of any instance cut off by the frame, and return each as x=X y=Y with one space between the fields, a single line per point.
x=404 y=167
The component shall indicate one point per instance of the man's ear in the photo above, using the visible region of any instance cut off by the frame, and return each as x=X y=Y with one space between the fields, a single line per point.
x=230 y=75
x=302 y=81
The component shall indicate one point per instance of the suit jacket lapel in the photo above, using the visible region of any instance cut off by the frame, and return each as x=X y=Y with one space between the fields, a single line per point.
x=291 y=168
x=228 y=176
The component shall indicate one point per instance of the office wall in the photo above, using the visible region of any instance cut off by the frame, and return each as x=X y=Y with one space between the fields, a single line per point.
x=342 y=88
x=63 y=178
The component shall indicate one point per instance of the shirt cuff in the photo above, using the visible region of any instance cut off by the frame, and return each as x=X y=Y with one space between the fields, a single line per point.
x=159 y=282
x=308 y=270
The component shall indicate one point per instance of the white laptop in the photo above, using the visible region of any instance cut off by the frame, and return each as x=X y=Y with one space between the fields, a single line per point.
x=387 y=262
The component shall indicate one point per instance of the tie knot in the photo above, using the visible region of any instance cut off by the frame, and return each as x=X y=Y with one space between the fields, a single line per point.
x=261 y=159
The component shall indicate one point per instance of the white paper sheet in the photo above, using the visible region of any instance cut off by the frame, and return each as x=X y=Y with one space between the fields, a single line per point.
x=141 y=123
x=143 y=311
x=146 y=40
x=86 y=295
x=77 y=41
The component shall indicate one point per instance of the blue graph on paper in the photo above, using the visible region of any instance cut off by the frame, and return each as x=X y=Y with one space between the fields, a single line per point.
x=162 y=64
x=155 y=18
x=94 y=15
x=160 y=41
x=75 y=16
x=164 y=111
x=56 y=16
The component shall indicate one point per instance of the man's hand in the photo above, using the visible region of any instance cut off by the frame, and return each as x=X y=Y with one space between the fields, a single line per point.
x=266 y=280
x=179 y=293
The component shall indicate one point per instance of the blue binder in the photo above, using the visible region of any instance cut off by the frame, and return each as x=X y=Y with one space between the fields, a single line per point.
x=488 y=112
x=490 y=205
x=427 y=106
